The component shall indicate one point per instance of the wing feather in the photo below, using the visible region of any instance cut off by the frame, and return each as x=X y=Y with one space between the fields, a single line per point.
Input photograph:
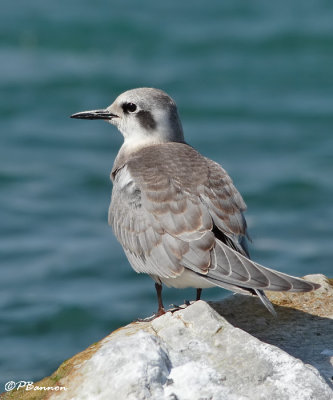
x=172 y=209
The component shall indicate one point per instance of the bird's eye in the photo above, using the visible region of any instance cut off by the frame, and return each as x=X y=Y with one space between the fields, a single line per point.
x=129 y=107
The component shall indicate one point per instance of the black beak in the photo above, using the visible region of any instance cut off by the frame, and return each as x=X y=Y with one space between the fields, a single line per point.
x=94 y=114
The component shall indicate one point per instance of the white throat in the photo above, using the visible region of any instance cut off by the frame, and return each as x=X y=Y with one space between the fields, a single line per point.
x=137 y=141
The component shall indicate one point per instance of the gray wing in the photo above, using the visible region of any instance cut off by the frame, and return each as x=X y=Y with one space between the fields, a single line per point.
x=226 y=207
x=173 y=209
x=148 y=247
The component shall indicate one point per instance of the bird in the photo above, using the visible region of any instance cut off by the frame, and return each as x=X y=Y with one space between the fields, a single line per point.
x=176 y=213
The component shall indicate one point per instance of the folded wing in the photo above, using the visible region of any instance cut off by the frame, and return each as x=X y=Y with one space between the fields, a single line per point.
x=173 y=209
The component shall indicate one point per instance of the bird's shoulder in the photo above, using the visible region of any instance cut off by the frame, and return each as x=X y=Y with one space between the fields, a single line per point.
x=177 y=162
x=180 y=167
x=170 y=162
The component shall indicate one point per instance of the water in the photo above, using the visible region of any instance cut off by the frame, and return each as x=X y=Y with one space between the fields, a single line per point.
x=253 y=82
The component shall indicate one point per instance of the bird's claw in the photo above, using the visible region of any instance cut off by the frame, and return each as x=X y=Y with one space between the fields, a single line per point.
x=175 y=307
x=160 y=312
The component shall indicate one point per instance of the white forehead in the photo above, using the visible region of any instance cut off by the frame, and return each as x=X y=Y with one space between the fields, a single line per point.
x=146 y=98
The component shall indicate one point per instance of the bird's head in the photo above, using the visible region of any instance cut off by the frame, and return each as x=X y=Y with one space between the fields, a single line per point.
x=144 y=116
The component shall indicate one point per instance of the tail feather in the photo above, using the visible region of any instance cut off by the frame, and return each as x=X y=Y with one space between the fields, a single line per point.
x=236 y=269
x=266 y=302
x=247 y=291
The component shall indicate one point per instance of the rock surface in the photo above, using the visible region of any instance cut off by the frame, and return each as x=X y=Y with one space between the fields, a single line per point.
x=230 y=350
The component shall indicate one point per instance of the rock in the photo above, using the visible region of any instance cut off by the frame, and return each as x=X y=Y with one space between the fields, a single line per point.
x=233 y=349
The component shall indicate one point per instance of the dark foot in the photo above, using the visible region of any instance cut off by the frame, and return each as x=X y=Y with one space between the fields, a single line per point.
x=175 y=307
x=151 y=318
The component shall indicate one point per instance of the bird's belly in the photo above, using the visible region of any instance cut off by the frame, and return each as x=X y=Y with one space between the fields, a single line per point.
x=187 y=279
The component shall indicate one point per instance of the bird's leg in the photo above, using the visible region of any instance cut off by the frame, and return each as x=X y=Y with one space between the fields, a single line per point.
x=186 y=302
x=161 y=309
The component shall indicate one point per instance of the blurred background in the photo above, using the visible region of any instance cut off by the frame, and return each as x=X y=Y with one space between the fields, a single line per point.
x=254 y=85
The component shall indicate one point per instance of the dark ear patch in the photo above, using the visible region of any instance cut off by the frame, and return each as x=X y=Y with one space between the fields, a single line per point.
x=146 y=120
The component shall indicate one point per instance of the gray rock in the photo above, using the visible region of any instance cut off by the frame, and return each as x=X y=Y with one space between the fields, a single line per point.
x=196 y=354
x=303 y=327
x=228 y=350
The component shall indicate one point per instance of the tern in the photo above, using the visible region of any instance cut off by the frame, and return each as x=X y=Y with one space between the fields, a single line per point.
x=176 y=213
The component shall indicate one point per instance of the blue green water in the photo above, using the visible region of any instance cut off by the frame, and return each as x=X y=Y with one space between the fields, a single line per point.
x=254 y=86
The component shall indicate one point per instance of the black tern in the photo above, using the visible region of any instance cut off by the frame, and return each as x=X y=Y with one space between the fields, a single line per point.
x=176 y=213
